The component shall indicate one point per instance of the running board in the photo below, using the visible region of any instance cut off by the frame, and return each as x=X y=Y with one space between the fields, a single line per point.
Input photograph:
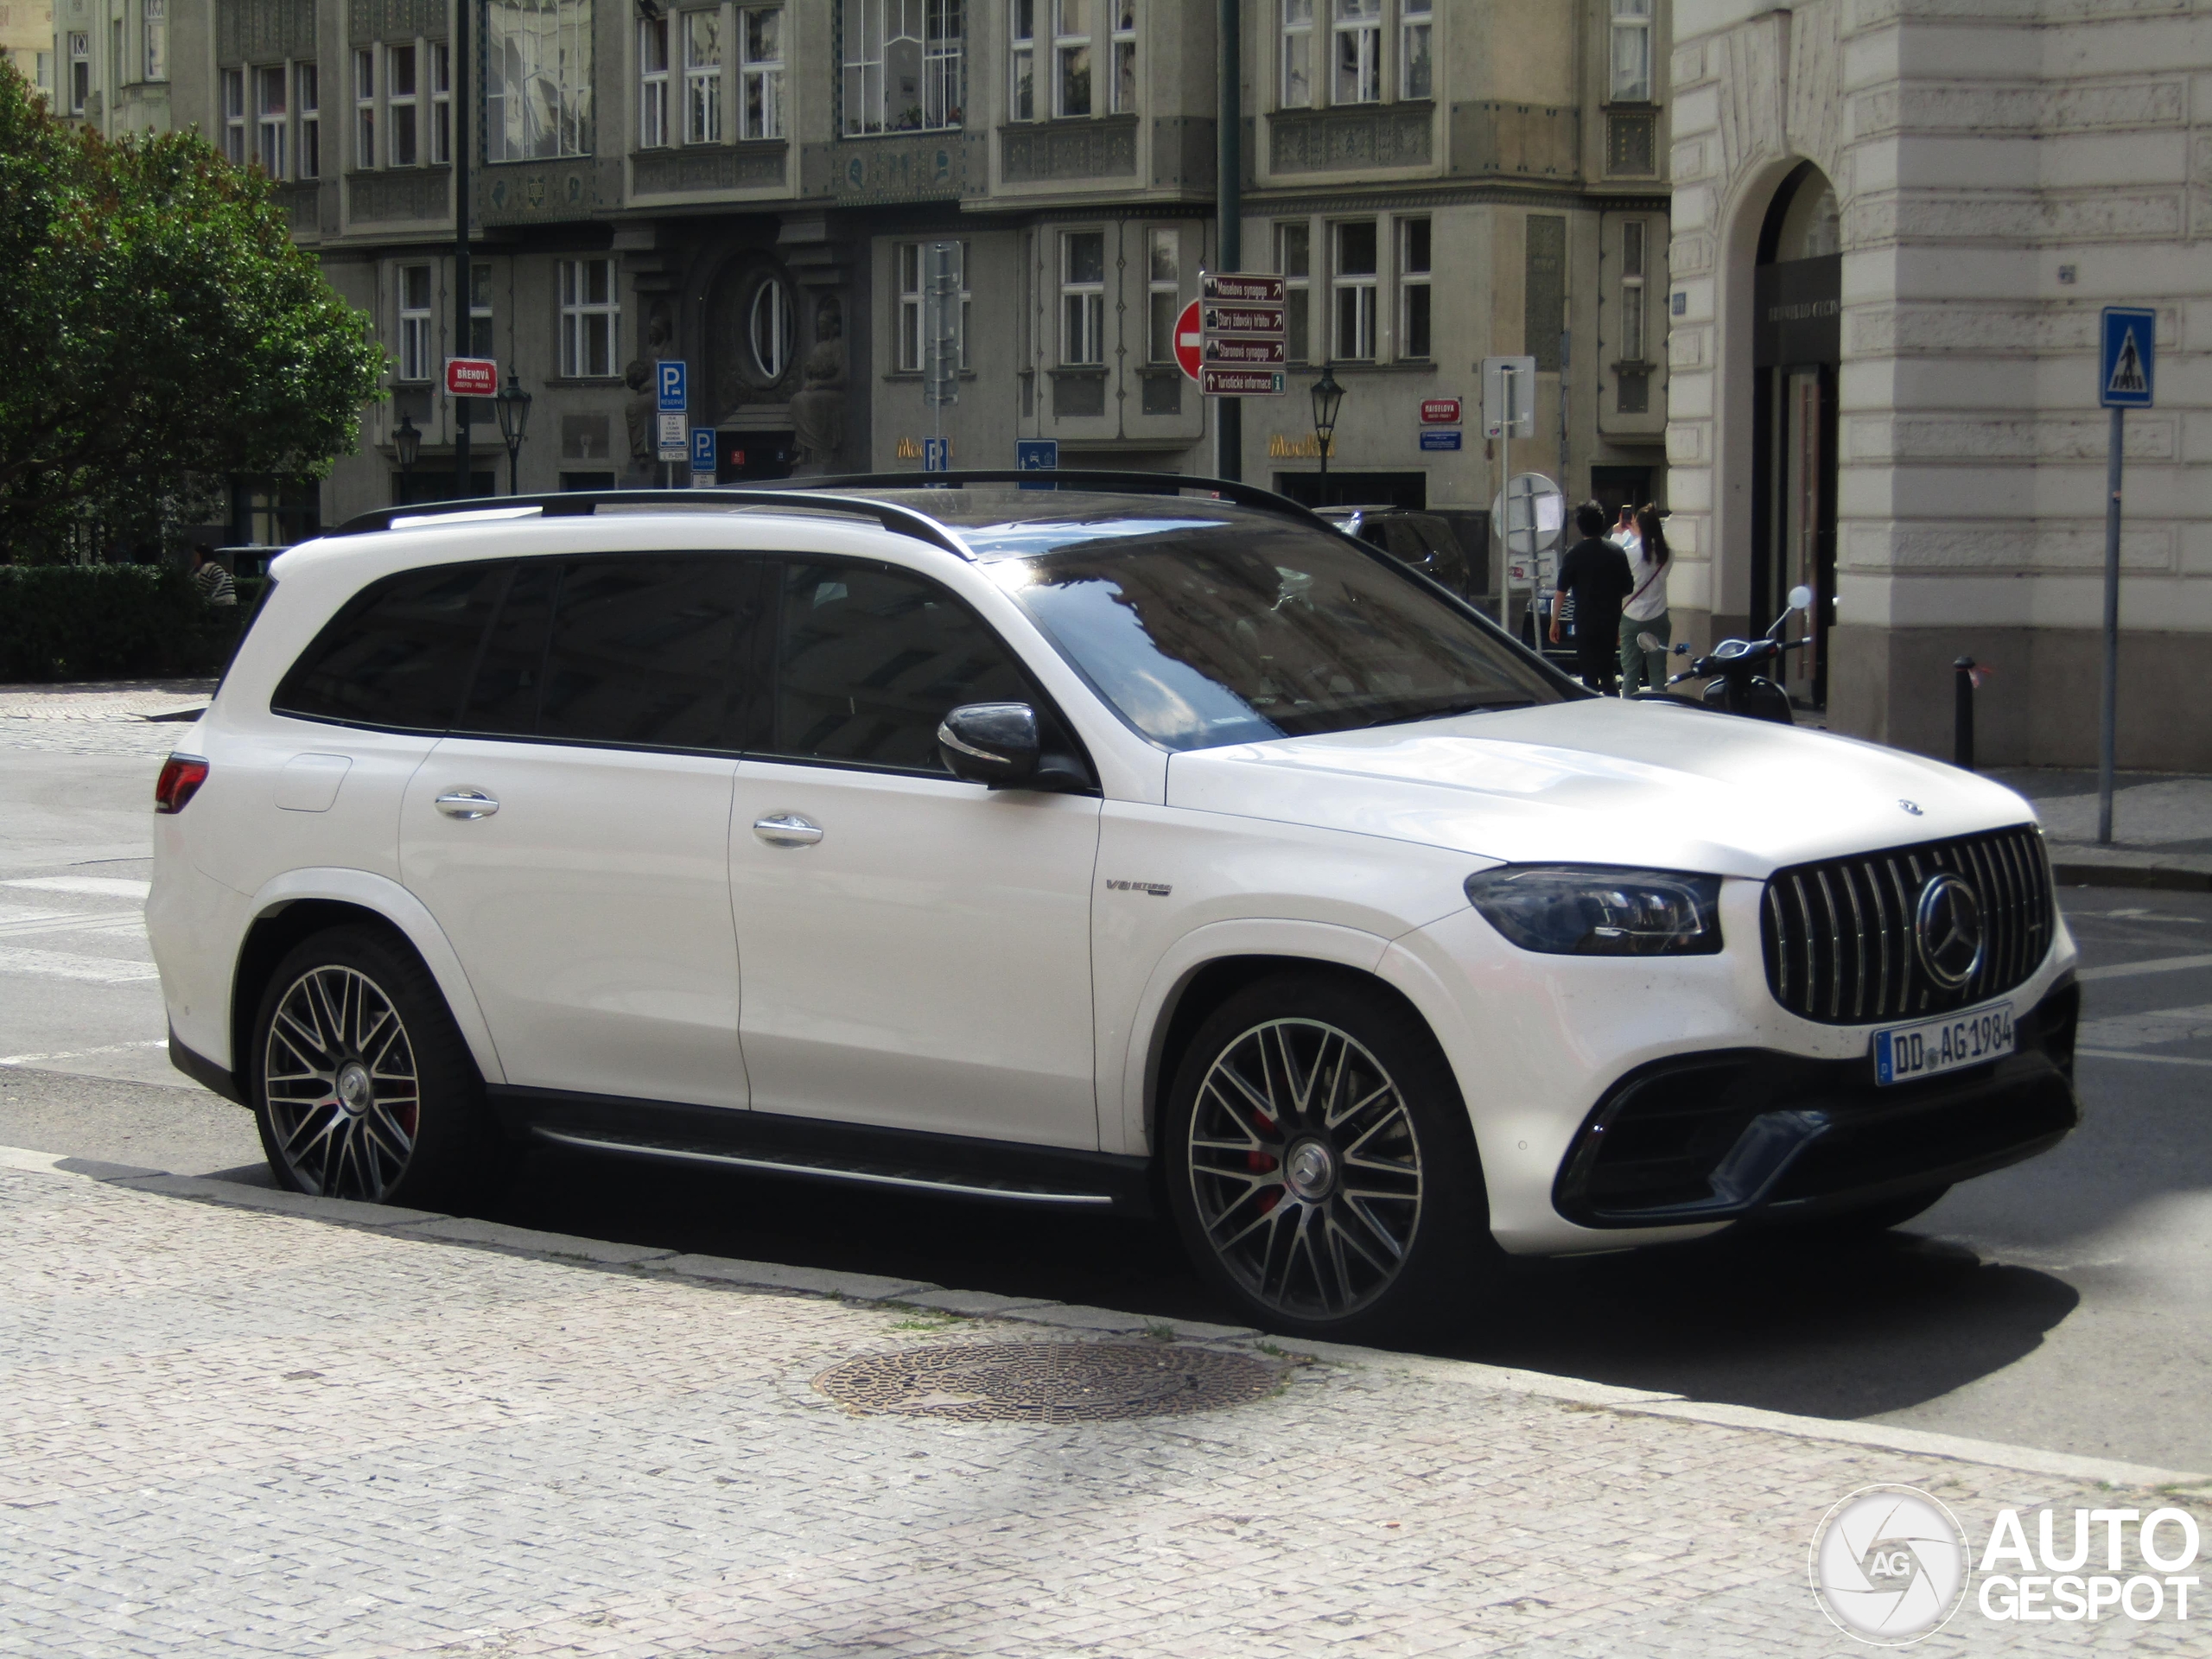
x=811 y=1169
x=764 y=1143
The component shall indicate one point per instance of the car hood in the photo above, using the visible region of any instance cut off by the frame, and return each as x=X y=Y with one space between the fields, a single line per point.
x=1602 y=781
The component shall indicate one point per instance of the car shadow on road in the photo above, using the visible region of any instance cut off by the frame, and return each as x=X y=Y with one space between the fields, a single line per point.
x=1782 y=1321
x=1769 y=1319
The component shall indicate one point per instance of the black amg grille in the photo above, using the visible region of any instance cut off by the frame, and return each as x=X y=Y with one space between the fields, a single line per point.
x=1838 y=936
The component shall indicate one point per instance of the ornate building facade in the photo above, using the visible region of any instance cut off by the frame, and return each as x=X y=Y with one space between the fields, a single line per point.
x=752 y=189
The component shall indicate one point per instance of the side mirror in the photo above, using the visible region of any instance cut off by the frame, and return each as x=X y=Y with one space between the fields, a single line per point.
x=993 y=743
x=1801 y=598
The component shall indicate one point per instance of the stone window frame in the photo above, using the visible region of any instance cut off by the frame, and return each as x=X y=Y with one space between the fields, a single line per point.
x=1090 y=294
x=1414 y=282
x=575 y=311
x=765 y=74
x=154 y=38
x=1115 y=22
x=230 y=92
x=272 y=127
x=1159 y=338
x=703 y=122
x=942 y=56
x=1630 y=24
x=416 y=330
x=80 y=69
x=1298 y=287
x=1307 y=33
x=653 y=72
x=1351 y=284
x=907 y=303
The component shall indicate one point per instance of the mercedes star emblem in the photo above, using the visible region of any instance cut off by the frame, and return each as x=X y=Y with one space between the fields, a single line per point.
x=1946 y=927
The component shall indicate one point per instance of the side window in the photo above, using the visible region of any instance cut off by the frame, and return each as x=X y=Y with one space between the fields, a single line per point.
x=398 y=654
x=643 y=652
x=503 y=698
x=869 y=660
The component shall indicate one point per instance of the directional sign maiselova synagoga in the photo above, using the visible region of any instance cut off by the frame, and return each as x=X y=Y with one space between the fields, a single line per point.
x=1240 y=335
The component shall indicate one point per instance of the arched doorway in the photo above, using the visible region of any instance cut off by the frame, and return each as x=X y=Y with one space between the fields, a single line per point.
x=1797 y=290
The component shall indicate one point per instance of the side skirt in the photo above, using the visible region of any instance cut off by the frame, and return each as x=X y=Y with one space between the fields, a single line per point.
x=957 y=1166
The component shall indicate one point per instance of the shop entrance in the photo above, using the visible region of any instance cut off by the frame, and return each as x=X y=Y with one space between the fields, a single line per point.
x=1355 y=489
x=748 y=457
x=1797 y=345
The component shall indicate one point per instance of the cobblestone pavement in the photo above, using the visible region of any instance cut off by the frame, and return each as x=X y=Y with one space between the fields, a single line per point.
x=102 y=717
x=235 y=1430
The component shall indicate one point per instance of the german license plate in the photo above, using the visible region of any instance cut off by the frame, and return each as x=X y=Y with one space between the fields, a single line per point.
x=1908 y=1054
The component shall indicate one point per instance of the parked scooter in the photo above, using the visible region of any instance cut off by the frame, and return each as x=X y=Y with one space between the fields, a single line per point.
x=1739 y=673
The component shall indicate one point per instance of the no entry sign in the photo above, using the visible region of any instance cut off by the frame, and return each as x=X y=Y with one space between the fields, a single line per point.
x=472 y=377
x=1187 y=340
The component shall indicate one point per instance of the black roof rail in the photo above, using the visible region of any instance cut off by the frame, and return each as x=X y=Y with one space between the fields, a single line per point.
x=900 y=520
x=1106 y=481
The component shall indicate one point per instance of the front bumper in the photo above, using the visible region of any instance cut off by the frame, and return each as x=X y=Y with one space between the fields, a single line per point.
x=1734 y=1134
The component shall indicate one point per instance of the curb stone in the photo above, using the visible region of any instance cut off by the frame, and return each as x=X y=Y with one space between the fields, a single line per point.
x=868 y=1287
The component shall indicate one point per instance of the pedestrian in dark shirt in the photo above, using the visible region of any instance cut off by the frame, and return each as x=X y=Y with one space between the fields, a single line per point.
x=211 y=580
x=1596 y=572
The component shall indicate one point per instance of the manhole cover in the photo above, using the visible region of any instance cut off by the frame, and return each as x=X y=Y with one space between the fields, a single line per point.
x=1047 y=1382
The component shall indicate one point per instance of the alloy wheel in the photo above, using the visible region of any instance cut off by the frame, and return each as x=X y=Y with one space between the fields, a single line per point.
x=1306 y=1168
x=340 y=1082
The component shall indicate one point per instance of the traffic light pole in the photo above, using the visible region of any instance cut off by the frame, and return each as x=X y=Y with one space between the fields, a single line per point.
x=463 y=291
x=1228 y=235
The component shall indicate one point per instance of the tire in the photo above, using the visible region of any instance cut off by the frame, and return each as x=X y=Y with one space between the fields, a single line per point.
x=1260 y=1181
x=359 y=1080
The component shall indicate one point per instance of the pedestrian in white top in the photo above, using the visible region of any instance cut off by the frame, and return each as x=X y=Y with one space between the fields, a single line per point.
x=1644 y=611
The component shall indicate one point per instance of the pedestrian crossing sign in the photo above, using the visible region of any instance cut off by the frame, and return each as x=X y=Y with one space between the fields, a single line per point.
x=2124 y=371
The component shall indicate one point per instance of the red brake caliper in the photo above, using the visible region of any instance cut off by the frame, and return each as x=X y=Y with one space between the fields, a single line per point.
x=1264 y=1163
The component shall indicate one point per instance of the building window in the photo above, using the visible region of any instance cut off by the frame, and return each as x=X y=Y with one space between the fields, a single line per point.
x=904 y=66
x=441 y=103
x=400 y=105
x=1416 y=71
x=1294 y=259
x=652 y=83
x=1298 y=54
x=1022 y=103
x=1125 y=57
x=81 y=71
x=913 y=267
x=364 y=107
x=1163 y=295
x=270 y=128
x=482 y=341
x=1352 y=277
x=234 y=90
x=45 y=73
x=1083 y=298
x=771 y=330
x=115 y=51
x=761 y=46
x=1070 y=57
x=1632 y=51
x=1360 y=52
x=591 y=318
x=308 y=79
x=702 y=77
x=415 y=322
x=537 y=95
x=1413 y=334
x=154 y=21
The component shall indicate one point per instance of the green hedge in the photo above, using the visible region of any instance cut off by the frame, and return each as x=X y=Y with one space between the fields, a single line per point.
x=107 y=621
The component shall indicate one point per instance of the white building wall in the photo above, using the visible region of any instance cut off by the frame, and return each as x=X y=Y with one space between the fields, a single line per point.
x=2005 y=169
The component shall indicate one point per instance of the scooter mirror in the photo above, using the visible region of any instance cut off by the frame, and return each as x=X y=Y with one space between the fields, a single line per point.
x=1649 y=642
x=1801 y=598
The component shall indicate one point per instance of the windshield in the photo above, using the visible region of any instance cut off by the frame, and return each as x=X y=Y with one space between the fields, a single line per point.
x=1204 y=632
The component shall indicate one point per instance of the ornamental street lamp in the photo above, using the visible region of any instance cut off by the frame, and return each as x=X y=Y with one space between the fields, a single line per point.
x=1327 y=396
x=513 y=405
x=408 y=443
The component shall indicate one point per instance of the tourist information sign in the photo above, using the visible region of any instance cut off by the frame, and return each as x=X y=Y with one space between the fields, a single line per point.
x=1241 y=336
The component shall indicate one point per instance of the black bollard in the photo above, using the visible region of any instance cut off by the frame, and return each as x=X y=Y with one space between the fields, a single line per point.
x=1962 y=713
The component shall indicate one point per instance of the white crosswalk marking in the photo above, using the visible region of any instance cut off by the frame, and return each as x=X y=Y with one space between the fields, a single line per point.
x=56 y=965
x=2130 y=970
x=2143 y=1030
x=105 y=886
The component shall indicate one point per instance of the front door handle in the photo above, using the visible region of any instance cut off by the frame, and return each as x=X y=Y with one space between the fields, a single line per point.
x=466 y=803
x=786 y=829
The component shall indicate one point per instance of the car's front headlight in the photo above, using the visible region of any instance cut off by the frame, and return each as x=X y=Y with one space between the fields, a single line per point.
x=1593 y=910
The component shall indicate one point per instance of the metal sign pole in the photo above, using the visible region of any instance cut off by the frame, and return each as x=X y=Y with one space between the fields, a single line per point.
x=1505 y=494
x=2108 y=708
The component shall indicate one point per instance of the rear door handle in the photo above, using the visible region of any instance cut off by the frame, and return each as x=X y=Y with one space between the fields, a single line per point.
x=466 y=803
x=786 y=829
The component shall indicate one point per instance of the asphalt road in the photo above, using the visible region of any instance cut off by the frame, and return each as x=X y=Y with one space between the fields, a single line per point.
x=2064 y=1304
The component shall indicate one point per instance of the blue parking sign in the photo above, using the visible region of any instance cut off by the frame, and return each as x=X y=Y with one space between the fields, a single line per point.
x=2124 y=378
x=936 y=454
x=702 y=448
x=670 y=376
x=1037 y=455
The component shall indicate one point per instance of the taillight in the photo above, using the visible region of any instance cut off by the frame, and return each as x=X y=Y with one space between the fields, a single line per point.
x=181 y=776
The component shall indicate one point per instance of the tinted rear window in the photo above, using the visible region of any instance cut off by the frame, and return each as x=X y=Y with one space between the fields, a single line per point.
x=644 y=650
x=397 y=655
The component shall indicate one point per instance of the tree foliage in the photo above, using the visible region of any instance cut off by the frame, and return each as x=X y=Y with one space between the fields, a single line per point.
x=159 y=329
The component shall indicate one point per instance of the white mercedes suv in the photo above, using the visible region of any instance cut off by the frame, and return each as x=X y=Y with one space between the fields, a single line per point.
x=1077 y=847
